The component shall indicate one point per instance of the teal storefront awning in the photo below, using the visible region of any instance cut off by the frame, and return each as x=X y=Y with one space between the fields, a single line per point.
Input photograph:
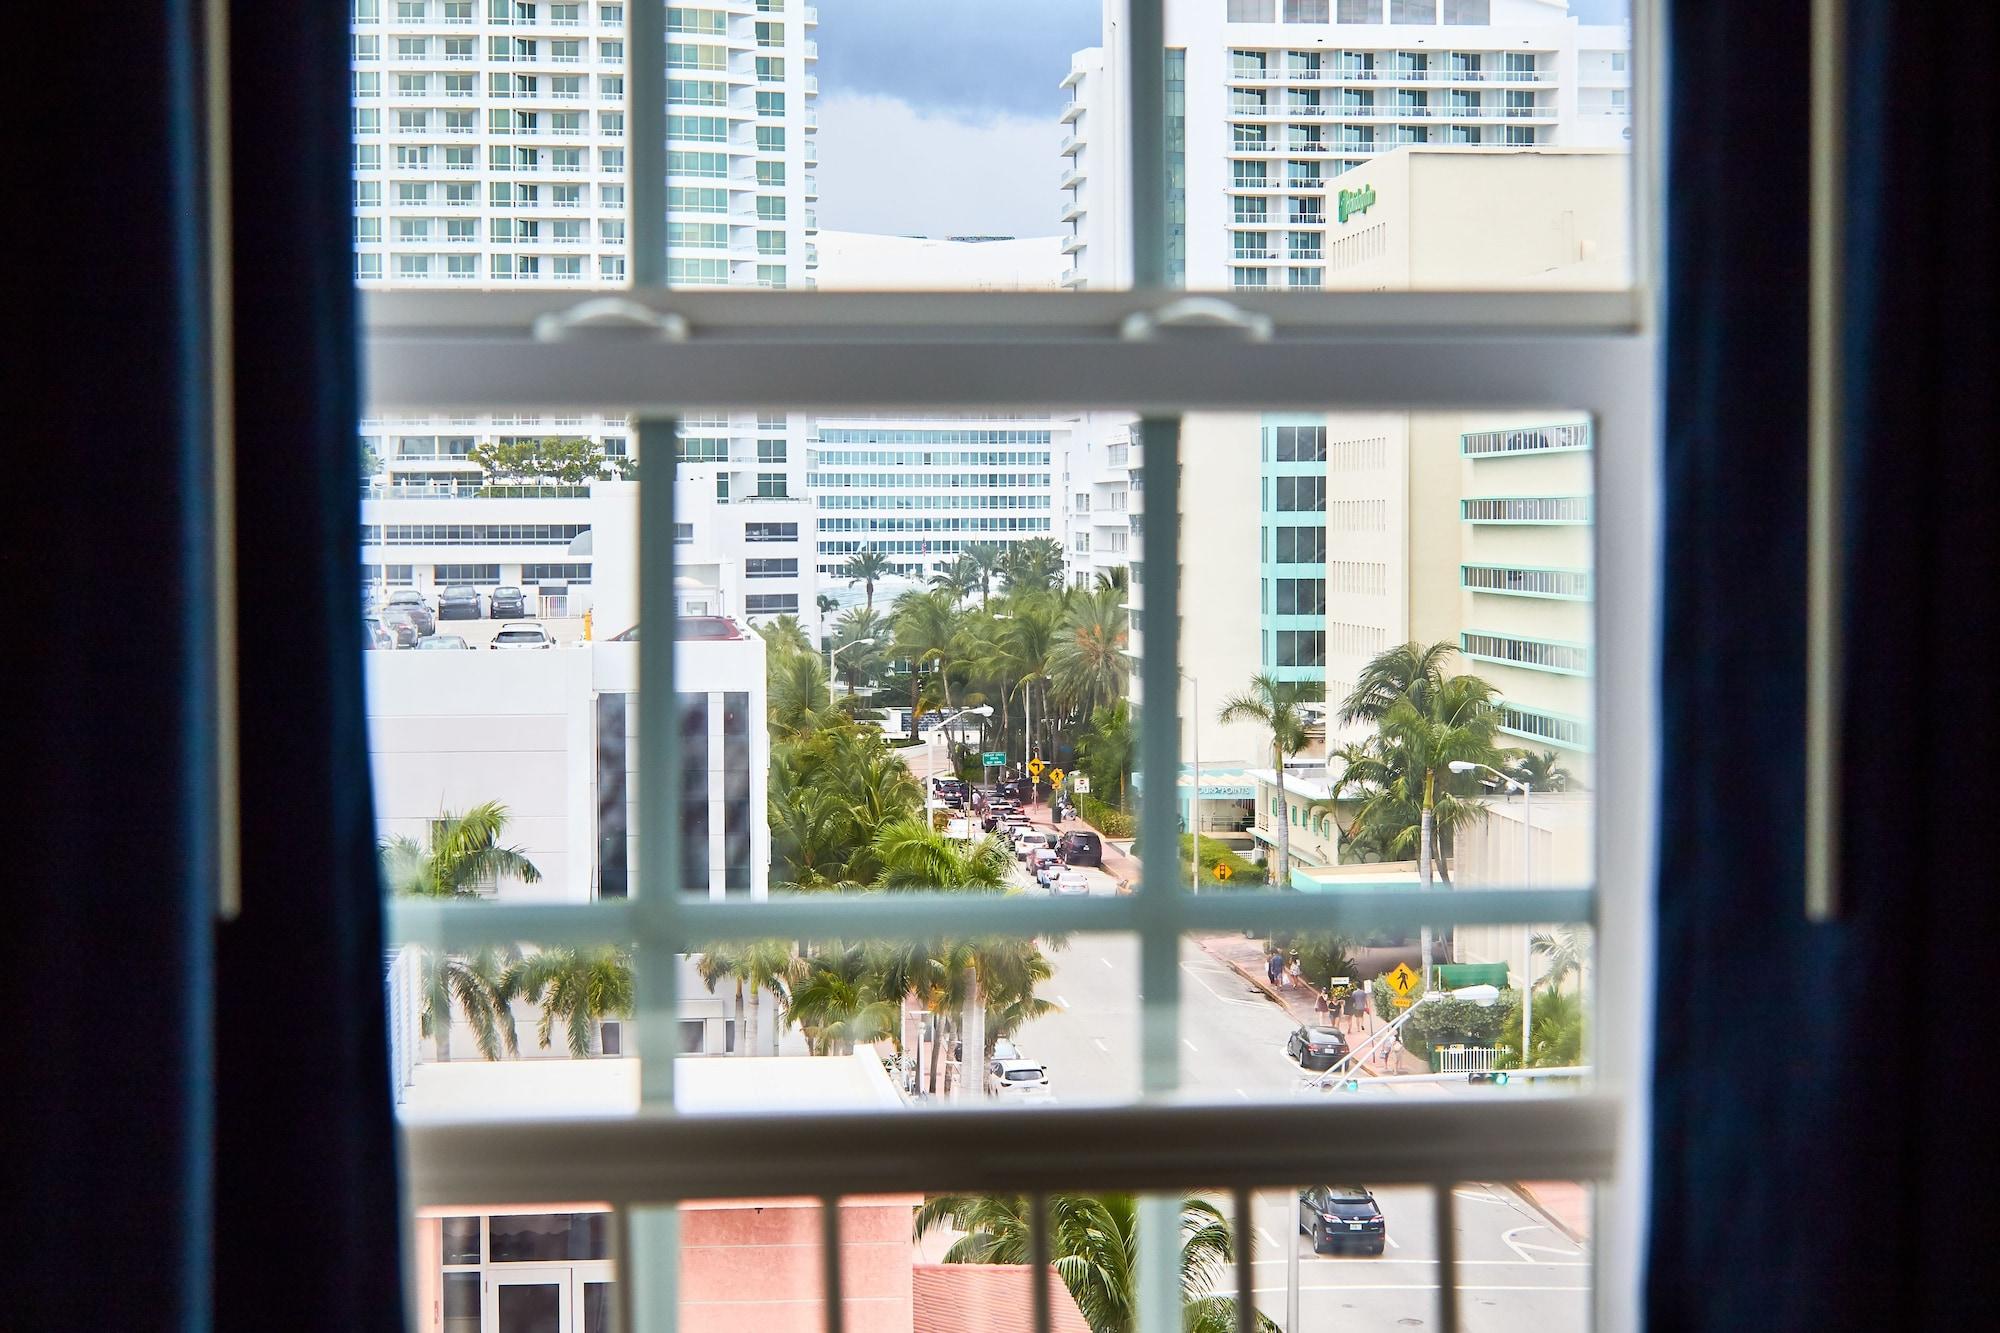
x=1457 y=976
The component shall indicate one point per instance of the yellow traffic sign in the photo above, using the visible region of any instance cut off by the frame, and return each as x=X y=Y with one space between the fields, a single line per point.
x=1035 y=767
x=1055 y=777
x=1221 y=870
x=1403 y=984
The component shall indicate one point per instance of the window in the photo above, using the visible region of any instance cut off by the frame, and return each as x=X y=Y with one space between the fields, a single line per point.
x=1305 y=502
x=770 y=103
x=1413 y=11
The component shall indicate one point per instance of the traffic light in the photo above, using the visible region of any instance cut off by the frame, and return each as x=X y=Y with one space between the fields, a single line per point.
x=1350 y=1085
x=1497 y=1077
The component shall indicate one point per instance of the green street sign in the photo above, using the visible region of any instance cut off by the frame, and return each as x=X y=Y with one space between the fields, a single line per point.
x=993 y=759
x=1356 y=201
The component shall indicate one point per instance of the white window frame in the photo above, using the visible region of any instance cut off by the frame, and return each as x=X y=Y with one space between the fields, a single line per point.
x=659 y=352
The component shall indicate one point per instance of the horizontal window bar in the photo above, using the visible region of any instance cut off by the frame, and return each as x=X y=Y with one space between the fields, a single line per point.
x=906 y=916
x=443 y=354
x=654 y=1158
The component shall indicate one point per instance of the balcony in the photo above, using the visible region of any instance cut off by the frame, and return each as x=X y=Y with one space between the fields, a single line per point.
x=1071 y=179
x=1071 y=113
x=1072 y=244
x=1071 y=146
x=1071 y=210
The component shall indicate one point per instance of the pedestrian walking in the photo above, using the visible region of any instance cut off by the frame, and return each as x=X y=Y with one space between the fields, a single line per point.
x=1274 y=967
x=1294 y=977
x=1321 y=1007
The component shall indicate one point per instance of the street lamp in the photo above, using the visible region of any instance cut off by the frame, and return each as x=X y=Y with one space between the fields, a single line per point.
x=930 y=783
x=833 y=652
x=1528 y=859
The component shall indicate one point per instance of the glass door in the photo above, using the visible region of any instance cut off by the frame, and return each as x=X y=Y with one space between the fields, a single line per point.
x=529 y=1300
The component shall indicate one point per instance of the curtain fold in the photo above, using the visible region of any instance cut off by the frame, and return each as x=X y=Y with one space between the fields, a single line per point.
x=306 y=1196
x=1818 y=1143
x=205 y=1129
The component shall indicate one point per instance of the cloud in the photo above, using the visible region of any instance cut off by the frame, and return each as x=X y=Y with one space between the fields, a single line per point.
x=886 y=166
x=972 y=56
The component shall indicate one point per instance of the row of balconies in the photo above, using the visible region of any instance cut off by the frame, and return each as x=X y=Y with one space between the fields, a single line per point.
x=1394 y=113
x=1389 y=75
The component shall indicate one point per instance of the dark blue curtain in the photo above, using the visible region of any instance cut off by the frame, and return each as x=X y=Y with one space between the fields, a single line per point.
x=1820 y=1154
x=204 y=1134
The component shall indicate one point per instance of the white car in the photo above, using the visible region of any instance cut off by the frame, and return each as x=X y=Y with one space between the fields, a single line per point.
x=1025 y=843
x=1018 y=1080
x=1070 y=884
x=1043 y=865
x=526 y=634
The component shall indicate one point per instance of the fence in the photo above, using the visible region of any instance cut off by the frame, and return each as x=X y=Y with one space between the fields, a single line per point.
x=1464 y=1059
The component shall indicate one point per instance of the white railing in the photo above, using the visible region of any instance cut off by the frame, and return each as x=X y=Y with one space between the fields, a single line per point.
x=403 y=984
x=1467 y=1059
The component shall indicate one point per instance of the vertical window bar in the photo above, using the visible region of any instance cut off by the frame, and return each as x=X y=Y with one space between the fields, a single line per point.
x=646 y=145
x=1159 y=1261
x=1243 y=1215
x=1038 y=1260
x=1159 y=900
x=1444 y=1220
x=649 y=1269
x=657 y=900
x=829 y=1245
x=1146 y=92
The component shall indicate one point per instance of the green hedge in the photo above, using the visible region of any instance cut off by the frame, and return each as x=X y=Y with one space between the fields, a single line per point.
x=1243 y=872
x=1111 y=822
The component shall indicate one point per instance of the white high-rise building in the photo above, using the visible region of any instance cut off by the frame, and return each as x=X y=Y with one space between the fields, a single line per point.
x=490 y=141
x=919 y=490
x=1268 y=102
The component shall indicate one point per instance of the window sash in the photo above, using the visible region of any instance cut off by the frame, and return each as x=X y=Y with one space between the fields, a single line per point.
x=1586 y=352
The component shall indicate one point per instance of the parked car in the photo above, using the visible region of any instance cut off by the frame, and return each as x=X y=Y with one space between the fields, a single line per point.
x=1316 y=1047
x=374 y=635
x=1081 y=847
x=1042 y=864
x=1070 y=884
x=1025 y=842
x=525 y=635
x=445 y=641
x=459 y=602
x=1342 y=1217
x=1004 y=1049
x=1017 y=1080
x=952 y=791
x=408 y=623
x=409 y=602
x=507 y=604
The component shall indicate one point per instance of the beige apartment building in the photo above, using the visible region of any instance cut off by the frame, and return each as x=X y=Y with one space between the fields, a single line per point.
x=1356 y=531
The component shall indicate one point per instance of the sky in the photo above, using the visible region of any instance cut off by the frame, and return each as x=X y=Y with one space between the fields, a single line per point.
x=938 y=117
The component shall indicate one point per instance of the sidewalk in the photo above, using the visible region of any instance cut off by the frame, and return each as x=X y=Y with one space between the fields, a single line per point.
x=1119 y=863
x=1565 y=1203
x=1246 y=957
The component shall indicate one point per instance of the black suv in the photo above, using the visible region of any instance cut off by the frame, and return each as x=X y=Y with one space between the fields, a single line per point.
x=1081 y=847
x=1316 y=1047
x=1342 y=1217
x=458 y=602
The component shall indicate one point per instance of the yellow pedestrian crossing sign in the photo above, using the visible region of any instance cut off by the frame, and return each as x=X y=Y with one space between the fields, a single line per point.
x=1055 y=777
x=1403 y=984
x=1035 y=767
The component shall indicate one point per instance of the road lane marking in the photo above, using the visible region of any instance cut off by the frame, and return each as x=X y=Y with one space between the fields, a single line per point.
x=1099 y=1043
x=1244 y=1095
x=1265 y=1236
x=1190 y=1045
x=1521 y=1247
x=1105 y=961
x=1226 y=999
x=1063 y=1000
x=1481 y=1197
x=1395 y=1244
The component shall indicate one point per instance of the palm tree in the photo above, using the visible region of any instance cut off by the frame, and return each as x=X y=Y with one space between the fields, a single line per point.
x=797 y=694
x=837 y=999
x=984 y=557
x=1030 y=639
x=461 y=855
x=1087 y=661
x=1542 y=772
x=914 y=856
x=1118 y=579
x=865 y=567
x=1568 y=952
x=785 y=634
x=926 y=630
x=1273 y=704
x=958 y=578
x=1109 y=748
x=1035 y=565
x=475 y=986
x=828 y=604
x=756 y=968
x=1412 y=669
x=1093 y=1246
x=862 y=661
x=575 y=987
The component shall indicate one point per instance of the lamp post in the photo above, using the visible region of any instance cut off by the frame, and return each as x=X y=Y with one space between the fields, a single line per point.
x=1528 y=863
x=833 y=652
x=930 y=784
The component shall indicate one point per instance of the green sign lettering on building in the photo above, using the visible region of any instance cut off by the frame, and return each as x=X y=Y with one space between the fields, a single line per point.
x=1356 y=201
